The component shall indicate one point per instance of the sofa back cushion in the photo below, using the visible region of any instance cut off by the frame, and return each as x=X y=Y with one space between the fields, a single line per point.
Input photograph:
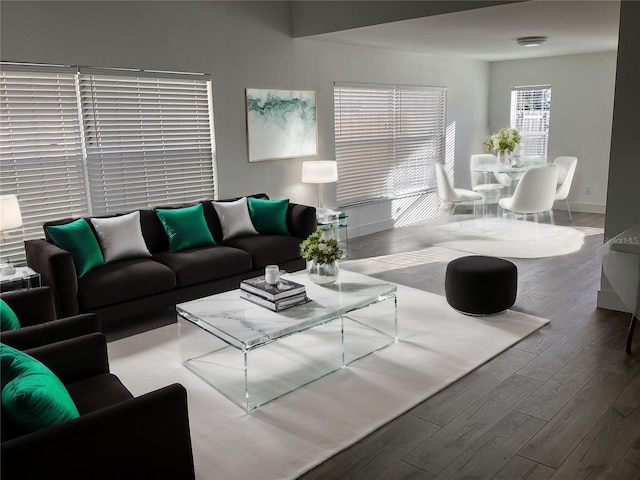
x=213 y=221
x=153 y=231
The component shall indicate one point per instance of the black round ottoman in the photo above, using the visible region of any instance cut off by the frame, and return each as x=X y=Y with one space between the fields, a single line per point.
x=479 y=285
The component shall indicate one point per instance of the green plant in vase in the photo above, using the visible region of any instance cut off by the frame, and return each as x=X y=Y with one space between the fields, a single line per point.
x=323 y=255
x=504 y=141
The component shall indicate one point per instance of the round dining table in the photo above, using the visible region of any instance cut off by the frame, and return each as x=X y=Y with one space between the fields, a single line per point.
x=510 y=172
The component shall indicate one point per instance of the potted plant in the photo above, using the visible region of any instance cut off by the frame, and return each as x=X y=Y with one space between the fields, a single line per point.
x=504 y=141
x=322 y=255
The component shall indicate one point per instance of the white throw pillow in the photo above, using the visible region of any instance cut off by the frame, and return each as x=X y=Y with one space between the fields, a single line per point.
x=121 y=237
x=234 y=218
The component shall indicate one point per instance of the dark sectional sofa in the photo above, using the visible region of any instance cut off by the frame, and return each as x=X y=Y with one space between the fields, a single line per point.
x=127 y=288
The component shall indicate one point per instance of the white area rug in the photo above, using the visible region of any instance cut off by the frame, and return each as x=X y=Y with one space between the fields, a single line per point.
x=291 y=435
x=508 y=238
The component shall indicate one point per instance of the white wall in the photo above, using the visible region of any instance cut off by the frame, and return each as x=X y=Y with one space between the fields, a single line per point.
x=244 y=45
x=623 y=195
x=581 y=114
x=467 y=103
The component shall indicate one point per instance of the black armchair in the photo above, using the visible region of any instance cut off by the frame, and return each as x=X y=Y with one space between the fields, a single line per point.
x=117 y=436
x=35 y=308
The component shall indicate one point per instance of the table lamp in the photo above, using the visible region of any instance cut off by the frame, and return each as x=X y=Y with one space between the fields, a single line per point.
x=10 y=217
x=319 y=172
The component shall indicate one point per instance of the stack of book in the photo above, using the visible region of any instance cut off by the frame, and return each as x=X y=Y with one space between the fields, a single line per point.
x=285 y=294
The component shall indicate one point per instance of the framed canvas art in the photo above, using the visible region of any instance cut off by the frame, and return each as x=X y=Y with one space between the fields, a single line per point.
x=281 y=124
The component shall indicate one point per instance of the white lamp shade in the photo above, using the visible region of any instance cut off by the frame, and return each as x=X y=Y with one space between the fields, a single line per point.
x=320 y=171
x=10 y=216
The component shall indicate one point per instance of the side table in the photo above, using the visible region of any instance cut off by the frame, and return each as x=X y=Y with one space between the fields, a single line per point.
x=24 y=277
x=335 y=223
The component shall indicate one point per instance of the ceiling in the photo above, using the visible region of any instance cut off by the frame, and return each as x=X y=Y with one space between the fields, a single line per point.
x=489 y=34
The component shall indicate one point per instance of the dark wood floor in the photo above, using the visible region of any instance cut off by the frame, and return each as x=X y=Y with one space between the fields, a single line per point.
x=564 y=403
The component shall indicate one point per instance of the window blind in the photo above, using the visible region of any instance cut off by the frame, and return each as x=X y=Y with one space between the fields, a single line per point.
x=530 y=115
x=387 y=139
x=148 y=141
x=79 y=143
x=40 y=152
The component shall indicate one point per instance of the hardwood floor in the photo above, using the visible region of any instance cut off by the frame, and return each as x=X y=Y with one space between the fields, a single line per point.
x=564 y=403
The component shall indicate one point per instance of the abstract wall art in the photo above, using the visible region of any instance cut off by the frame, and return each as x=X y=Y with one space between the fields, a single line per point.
x=281 y=124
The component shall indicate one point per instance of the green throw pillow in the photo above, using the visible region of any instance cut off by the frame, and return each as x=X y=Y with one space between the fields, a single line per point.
x=78 y=239
x=32 y=396
x=269 y=216
x=8 y=318
x=186 y=227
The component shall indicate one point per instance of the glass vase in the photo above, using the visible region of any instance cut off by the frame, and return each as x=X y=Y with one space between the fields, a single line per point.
x=503 y=159
x=323 y=273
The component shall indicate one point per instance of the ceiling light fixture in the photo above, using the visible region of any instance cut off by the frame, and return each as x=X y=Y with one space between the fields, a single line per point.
x=531 y=41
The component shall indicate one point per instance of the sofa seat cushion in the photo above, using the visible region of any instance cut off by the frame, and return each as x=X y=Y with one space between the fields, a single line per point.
x=200 y=265
x=268 y=249
x=123 y=280
x=97 y=392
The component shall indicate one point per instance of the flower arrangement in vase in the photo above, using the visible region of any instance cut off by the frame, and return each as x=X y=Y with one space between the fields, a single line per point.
x=322 y=254
x=504 y=141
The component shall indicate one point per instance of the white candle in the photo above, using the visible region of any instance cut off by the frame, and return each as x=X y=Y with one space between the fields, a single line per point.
x=272 y=274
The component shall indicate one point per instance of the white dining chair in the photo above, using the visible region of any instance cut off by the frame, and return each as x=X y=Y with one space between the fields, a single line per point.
x=454 y=196
x=566 y=170
x=485 y=183
x=535 y=193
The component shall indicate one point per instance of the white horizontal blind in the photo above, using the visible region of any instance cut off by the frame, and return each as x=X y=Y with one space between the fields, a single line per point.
x=40 y=152
x=148 y=141
x=530 y=115
x=420 y=139
x=387 y=139
x=364 y=138
x=78 y=144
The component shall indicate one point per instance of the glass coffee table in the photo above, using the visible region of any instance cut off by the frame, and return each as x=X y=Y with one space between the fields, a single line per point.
x=253 y=355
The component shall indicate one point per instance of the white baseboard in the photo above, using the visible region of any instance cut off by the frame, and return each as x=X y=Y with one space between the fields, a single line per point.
x=374 y=227
x=581 y=207
x=359 y=230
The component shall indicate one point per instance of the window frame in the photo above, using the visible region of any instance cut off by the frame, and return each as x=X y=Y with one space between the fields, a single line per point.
x=535 y=141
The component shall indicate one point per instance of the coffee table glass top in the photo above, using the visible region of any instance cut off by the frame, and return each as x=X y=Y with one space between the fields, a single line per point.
x=246 y=325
